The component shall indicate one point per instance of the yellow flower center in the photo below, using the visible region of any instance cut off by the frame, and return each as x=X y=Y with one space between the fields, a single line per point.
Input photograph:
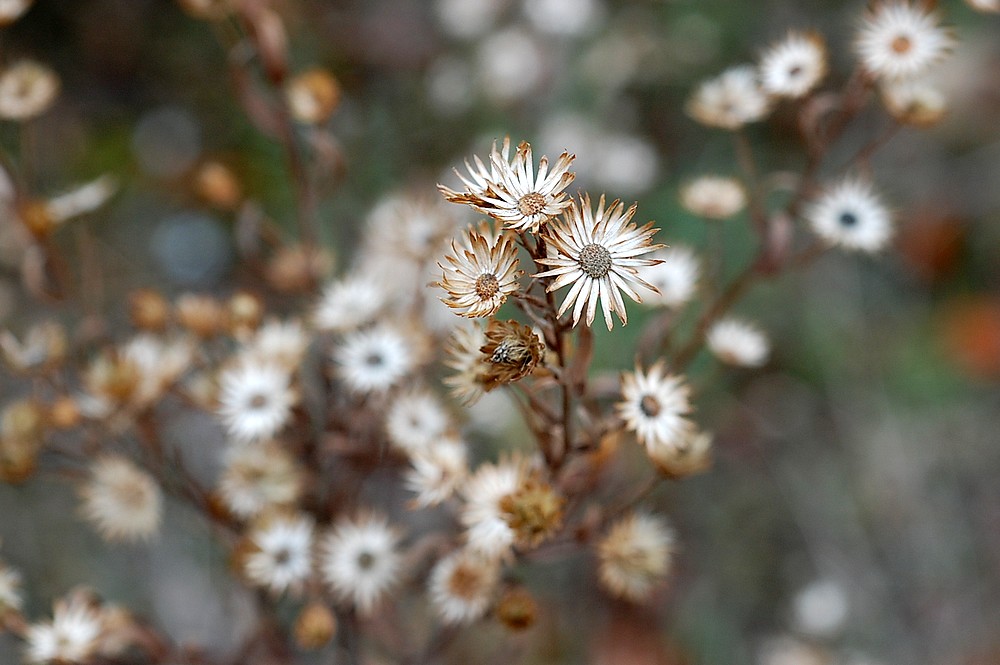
x=595 y=260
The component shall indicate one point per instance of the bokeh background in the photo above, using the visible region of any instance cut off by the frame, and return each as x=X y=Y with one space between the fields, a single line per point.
x=853 y=514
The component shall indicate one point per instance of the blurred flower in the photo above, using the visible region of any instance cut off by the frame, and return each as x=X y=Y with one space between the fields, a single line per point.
x=297 y=268
x=596 y=253
x=10 y=590
x=43 y=217
x=655 y=405
x=687 y=456
x=985 y=5
x=315 y=626
x=348 y=303
x=11 y=10
x=438 y=470
x=487 y=530
x=416 y=420
x=730 y=100
x=851 y=215
x=212 y=10
x=713 y=197
x=794 y=66
x=123 y=502
x=312 y=96
x=359 y=560
x=626 y=164
x=148 y=310
x=738 y=342
x=914 y=101
x=375 y=359
x=281 y=342
x=462 y=586
x=450 y=84
x=44 y=346
x=71 y=637
x=281 y=558
x=511 y=351
x=159 y=364
x=27 y=88
x=635 y=556
x=534 y=510
x=22 y=428
x=255 y=399
x=568 y=18
x=258 y=477
x=480 y=274
x=517 y=609
x=675 y=277
x=217 y=184
x=820 y=609
x=787 y=650
x=897 y=39
x=462 y=354
x=201 y=315
x=466 y=19
x=511 y=65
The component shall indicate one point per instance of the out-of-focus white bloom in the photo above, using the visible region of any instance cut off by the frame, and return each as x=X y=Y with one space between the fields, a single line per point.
x=255 y=399
x=511 y=65
x=462 y=586
x=487 y=530
x=567 y=18
x=713 y=197
x=794 y=66
x=635 y=556
x=282 y=553
x=655 y=406
x=10 y=589
x=27 y=88
x=730 y=100
x=438 y=471
x=851 y=215
x=467 y=19
x=348 y=303
x=280 y=342
x=820 y=609
x=787 y=650
x=374 y=360
x=159 y=364
x=259 y=477
x=738 y=342
x=359 y=560
x=72 y=636
x=42 y=345
x=122 y=501
x=627 y=164
x=898 y=39
x=675 y=278
x=990 y=6
x=916 y=102
x=450 y=85
x=416 y=420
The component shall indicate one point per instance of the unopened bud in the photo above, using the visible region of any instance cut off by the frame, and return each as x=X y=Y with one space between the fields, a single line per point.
x=315 y=626
x=517 y=609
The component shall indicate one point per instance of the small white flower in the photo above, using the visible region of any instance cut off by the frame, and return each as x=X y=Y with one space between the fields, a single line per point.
x=510 y=64
x=255 y=399
x=71 y=637
x=898 y=39
x=416 y=420
x=635 y=556
x=730 y=100
x=675 y=278
x=438 y=471
x=123 y=502
x=794 y=66
x=258 y=477
x=158 y=363
x=914 y=101
x=713 y=197
x=462 y=586
x=27 y=89
x=655 y=406
x=282 y=556
x=359 y=560
x=738 y=342
x=487 y=530
x=10 y=589
x=348 y=304
x=851 y=215
x=281 y=342
x=374 y=360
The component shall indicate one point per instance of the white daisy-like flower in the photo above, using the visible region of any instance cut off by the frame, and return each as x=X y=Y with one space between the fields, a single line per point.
x=10 y=589
x=259 y=477
x=851 y=215
x=597 y=253
x=255 y=399
x=462 y=586
x=794 y=66
x=713 y=197
x=374 y=360
x=122 y=501
x=675 y=278
x=738 y=342
x=416 y=420
x=359 y=560
x=281 y=342
x=158 y=363
x=635 y=556
x=486 y=529
x=438 y=471
x=281 y=558
x=72 y=636
x=481 y=174
x=348 y=304
x=914 y=101
x=655 y=406
x=27 y=88
x=730 y=100
x=11 y=10
x=898 y=39
x=480 y=275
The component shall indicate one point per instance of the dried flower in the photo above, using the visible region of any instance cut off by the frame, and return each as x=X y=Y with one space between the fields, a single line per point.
x=281 y=554
x=438 y=470
x=217 y=184
x=635 y=556
x=689 y=455
x=44 y=347
x=359 y=560
x=713 y=197
x=259 y=477
x=27 y=88
x=655 y=405
x=201 y=315
x=511 y=352
x=376 y=359
x=914 y=102
x=674 y=278
x=730 y=100
x=315 y=626
x=464 y=356
x=71 y=637
x=898 y=39
x=148 y=310
x=416 y=419
x=534 y=511
x=298 y=268
x=255 y=399
x=348 y=303
x=480 y=276
x=462 y=586
x=851 y=215
x=596 y=253
x=794 y=66
x=122 y=501
x=281 y=342
x=738 y=342
x=488 y=531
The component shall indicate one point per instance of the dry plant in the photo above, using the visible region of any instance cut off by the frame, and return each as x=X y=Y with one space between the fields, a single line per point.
x=333 y=413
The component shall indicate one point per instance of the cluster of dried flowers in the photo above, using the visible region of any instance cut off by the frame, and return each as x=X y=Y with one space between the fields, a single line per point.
x=323 y=410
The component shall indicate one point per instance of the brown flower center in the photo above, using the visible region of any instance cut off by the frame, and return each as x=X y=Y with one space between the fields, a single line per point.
x=595 y=260
x=487 y=286
x=258 y=401
x=650 y=406
x=465 y=582
x=901 y=44
x=531 y=204
x=366 y=560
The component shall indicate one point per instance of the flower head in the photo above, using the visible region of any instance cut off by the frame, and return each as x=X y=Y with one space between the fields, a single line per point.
x=510 y=352
x=72 y=636
x=281 y=555
x=348 y=304
x=851 y=215
x=359 y=560
x=122 y=501
x=596 y=252
x=675 y=278
x=481 y=275
x=27 y=88
x=730 y=100
x=713 y=197
x=259 y=477
x=438 y=470
x=463 y=356
x=738 y=342
x=655 y=405
x=488 y=530
x=794 y=66
x=635 y=556
x=255 y=399
x=415 y=420
x=10 y=589
x=898 y=39
x=374 y=360
x=462 y=586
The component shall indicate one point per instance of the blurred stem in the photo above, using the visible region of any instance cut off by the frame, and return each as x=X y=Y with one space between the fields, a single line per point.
x=748 y=164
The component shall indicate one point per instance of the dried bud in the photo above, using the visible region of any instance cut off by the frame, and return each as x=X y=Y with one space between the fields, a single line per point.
x=313 y=96
x=713 y=197
x=517 y=609
x=21 y=433
x=245 y=312
x=297 y=269
x=64 y=413
x=692 y=455
x=914 y=102
x=202 y=315
x=148 y=310
x=217 y=185
x=534 y=512
x=512 y=351
x=315 y=626
x=112 y=377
